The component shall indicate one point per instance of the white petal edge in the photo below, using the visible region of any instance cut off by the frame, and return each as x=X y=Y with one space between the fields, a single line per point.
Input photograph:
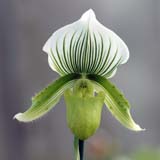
x=70 y=58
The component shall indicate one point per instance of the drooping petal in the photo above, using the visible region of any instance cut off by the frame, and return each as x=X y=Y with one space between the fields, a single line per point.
x=44 y=101
x=116 y=102
x=86 y=46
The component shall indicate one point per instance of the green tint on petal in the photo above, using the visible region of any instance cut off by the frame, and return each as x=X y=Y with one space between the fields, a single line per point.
x=116 y=102
x=47 y=98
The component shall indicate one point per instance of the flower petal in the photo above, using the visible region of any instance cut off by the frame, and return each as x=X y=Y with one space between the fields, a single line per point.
x=86 y=46
x=44 y=101
x=116 y=102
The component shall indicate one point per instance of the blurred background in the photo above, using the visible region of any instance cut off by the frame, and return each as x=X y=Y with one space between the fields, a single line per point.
x=24 y=28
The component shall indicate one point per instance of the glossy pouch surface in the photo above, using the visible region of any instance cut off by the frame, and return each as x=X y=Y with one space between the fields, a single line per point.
x=83 y=112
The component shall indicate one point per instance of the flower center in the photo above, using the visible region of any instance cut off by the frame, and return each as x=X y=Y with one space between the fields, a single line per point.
x=83 y=88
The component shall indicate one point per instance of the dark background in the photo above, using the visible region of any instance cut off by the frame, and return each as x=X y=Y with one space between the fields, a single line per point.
x=25 y=25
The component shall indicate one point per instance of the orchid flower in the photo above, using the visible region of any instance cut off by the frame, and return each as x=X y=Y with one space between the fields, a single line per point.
x=85 y=54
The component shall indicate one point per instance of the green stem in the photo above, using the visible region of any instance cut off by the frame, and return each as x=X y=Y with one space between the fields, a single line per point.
x=81 y=149
x=76 y=149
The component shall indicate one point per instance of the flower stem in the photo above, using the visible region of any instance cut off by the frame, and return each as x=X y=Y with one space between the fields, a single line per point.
x=81 y=149
x=76 y=149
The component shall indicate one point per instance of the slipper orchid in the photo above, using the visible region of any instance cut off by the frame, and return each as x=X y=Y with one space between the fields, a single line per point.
x=85 y=54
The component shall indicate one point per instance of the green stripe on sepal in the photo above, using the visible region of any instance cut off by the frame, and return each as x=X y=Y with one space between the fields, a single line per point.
x=45 y=100
x=116 y=102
